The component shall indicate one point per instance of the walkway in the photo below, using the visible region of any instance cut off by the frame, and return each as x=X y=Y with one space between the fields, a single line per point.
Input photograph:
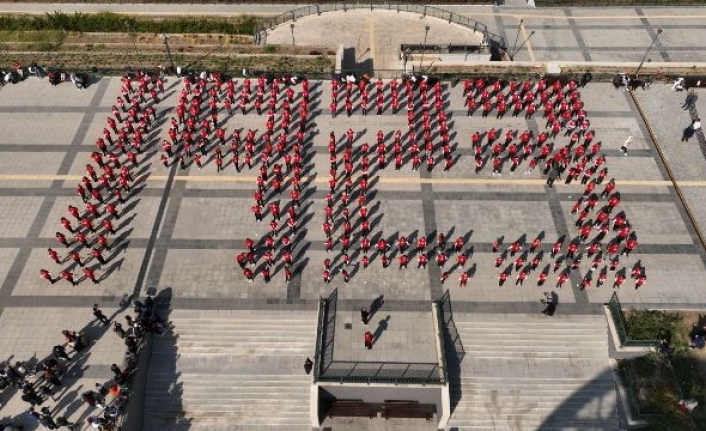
x=589 y=34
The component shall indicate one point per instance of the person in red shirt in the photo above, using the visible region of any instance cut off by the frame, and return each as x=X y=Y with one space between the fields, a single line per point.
x=602 y=277
x=563 y=276
x=61 y=238
x=66 y=224
x=619 y=280
x=641 y=280
x=630 y=246
x=542 y=277
x=98 y=255
x=249 y=275
x=463 y=280
x=368 y=340
x=535 y=244
x=108 y=226
x=265 y=272
x=46 y=275
x=404 y=260
x=68 y=276
x=90 y=274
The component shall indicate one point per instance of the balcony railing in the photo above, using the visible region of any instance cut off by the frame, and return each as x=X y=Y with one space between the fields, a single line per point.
x=491 y=38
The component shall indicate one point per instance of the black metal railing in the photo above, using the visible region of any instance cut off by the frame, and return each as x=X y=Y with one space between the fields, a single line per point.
x=440 y=336
x=621 y=326
x=318 y=360
x=326 y=369
x=383 y=372
x=317 y=9
x=325 y=331
x=448 y=327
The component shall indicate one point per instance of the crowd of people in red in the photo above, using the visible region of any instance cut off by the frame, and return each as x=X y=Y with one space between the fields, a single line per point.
x=195 y=134
x=580 y=157
x=106 y=187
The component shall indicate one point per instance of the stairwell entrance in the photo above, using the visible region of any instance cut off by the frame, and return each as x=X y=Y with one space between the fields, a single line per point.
x=411 y=382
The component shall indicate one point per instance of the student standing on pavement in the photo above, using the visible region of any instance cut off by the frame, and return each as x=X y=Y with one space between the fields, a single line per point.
x=624 y=147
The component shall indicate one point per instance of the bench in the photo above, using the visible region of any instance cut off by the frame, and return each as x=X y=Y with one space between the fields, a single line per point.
x=353 y=409
x=408 y=410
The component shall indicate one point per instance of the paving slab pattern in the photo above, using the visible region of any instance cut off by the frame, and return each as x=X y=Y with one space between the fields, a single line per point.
x=189 y=224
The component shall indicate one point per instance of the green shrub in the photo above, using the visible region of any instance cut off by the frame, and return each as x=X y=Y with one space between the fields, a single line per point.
x=652 y=324
x=113 y=22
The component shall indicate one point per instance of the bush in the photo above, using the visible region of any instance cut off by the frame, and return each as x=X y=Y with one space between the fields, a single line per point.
x=113 y=22
x=652 y=324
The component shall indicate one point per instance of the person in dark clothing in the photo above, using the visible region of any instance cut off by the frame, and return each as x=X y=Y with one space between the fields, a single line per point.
x=364 y=315
x=585 y=79
x=60 y=353
x=98 y=314
x=550 y=301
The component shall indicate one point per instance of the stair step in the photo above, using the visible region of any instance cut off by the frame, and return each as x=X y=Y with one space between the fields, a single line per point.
x=496 y=425
x=270 y=407
x=510 y=319
x=237 y=346
x=251 y=327
x=236 y=417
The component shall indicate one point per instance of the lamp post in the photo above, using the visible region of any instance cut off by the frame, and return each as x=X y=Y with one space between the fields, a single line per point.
x=291 y=26
x=134 y=44
x=405 y=56
x=654 y=40
x=424 y=48
x=168 y=51
x=517 y=36
x=523 y=44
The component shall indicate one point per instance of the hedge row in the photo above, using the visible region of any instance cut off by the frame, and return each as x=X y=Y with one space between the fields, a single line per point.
x=435 y=2
x=112 y=22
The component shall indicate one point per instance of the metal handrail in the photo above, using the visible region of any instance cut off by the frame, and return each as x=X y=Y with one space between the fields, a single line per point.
x=442 y=340
x=621 y=326
x=318 y=360
x=260 y=36
x=383 y=372
x=325 y=328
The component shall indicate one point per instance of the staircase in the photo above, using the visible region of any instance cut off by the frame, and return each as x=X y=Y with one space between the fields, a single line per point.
x=231 y=370
x=533 y=372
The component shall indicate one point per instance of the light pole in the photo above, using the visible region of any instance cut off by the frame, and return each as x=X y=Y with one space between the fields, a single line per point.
x=519 y=28
x=405 y=55
x=523 y=44
x=654 y=40
x=134 y=44
x=168 y=51
x=424 y=48
x=291 y=26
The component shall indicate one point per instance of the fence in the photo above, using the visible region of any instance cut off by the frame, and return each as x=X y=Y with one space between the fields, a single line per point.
x=621 y=326
x=325 y=331
x=382 y=372
x=493 y=39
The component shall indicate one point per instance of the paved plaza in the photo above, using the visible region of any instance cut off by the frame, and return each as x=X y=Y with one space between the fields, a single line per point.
x=184 y=227
x=180 y=230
